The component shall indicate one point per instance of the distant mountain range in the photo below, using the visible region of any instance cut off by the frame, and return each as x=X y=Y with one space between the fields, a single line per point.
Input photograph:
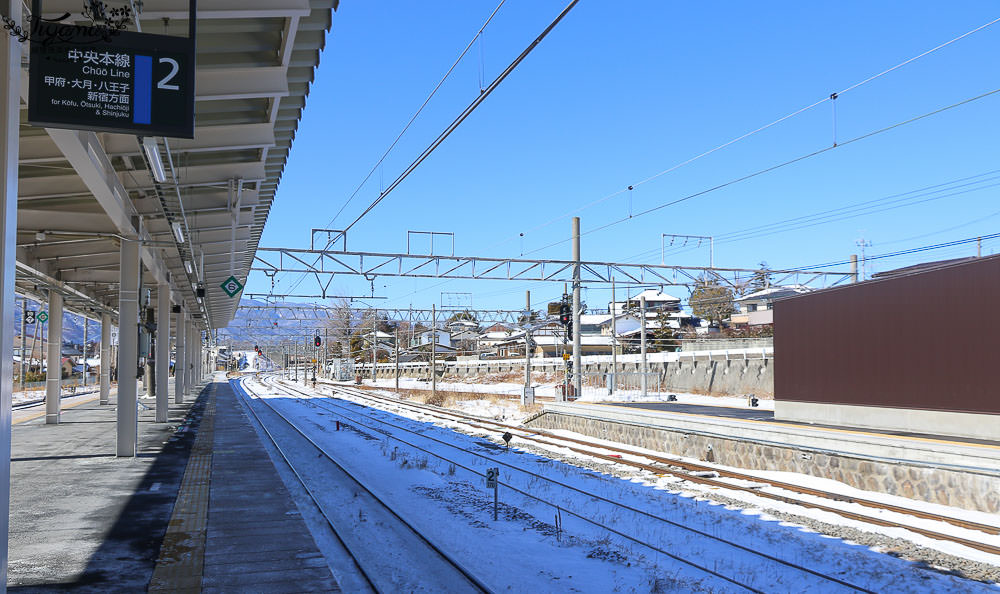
x=72 y=325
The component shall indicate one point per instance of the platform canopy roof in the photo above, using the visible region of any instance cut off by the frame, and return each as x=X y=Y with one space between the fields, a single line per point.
x=79 y=192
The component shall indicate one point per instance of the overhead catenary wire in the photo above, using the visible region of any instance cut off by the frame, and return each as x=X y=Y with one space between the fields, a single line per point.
x=406 y=127
x=949 y=189
x=775 y=167
x=420 y=109
x=465 y=114
x=484 y=93
x=831 y=97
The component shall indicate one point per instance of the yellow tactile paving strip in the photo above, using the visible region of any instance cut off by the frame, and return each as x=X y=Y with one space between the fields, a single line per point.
x=182 y=555
x=33 y=416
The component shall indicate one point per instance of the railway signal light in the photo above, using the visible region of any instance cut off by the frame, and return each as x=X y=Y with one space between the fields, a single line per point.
x=317 y=341
x=565 y=314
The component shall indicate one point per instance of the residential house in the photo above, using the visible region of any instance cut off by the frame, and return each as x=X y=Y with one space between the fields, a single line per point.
x=757 y=308
x=464 y=334
x=656 y=301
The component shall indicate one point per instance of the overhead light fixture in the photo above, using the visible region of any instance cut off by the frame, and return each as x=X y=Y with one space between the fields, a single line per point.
x=178 y=232
x=153 y=155
x=187 y=266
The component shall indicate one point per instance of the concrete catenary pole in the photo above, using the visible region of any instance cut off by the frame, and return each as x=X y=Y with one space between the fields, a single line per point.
x=162 y=352
x=854 y=268
x=614 y=340
x=577 y=340
x=128 y=348
x=374 y=343
x=24 y=330
x=396 y=357
x=86 y=325
x=105 y=393
x=434 y=376
x=528 y=396
x=645 y=368
x=53 y=375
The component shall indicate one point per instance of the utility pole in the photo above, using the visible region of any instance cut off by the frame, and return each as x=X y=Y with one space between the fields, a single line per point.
x=85 y=324
x=642 y=312
x=295 y=361
x=614 y=340
x=326 y=353
x=374 y=343
x=854 y=268
x=24 y=328
x=528 y=397
x=396 y=350
x=577 y=342
x=979 y=247
x=864 y=261
x=434 y=381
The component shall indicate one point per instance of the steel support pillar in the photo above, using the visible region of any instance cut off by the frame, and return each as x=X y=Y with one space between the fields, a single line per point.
x=53 y=375
x=188 y=349
x=10 y=120
x=105 y=358
x=197 y=358
x=191 y=352
x=162 y=352
x=179 y=336
x=128 y=348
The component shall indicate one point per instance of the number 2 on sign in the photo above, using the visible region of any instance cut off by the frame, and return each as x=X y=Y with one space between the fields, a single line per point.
x=174 y=67
x=492 y=474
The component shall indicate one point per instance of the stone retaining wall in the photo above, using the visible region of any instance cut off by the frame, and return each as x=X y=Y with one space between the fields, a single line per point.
x=694 y=372
x=964 y=489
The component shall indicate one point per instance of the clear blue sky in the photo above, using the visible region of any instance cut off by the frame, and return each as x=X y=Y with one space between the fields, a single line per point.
x=622 y=91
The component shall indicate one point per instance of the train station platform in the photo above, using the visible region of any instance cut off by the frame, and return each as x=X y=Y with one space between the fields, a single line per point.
x=950 y=471
x=200 y=508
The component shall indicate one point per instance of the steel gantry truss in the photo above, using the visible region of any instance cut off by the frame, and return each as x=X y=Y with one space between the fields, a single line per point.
x=294 y=312
x=283 y=322
x=324 y=265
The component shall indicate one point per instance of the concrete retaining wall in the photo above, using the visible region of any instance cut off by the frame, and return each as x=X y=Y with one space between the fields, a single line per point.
x=979 y=491
x=721 y=373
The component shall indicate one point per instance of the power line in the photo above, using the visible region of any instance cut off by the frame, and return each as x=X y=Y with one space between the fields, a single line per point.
x=831 y=97
x=776 y=167
x=410 y=122
x=417 y=113
x=915 y=250
x=462 y=116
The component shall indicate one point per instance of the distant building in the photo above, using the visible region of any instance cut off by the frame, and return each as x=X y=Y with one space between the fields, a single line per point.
x=656 y=301
x=757 y=308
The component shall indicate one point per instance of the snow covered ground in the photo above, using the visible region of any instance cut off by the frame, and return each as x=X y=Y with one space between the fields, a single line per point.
x=565 y=527
x=549 y=390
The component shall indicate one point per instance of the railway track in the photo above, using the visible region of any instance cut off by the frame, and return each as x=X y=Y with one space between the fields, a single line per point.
x=33 y=403
x=694 y=472
x=389 y=552
x=352 y=417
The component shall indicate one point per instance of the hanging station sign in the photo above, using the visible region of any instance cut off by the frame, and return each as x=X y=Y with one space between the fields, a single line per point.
x=110 y=80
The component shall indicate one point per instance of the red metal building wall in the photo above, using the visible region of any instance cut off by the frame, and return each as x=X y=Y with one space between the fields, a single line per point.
x=928 y=340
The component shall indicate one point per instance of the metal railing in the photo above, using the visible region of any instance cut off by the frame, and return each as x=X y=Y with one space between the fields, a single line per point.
x=626 y=384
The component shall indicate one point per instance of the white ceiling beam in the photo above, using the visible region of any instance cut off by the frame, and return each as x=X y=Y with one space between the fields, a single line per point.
x=93 y=166
x=214 y=84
